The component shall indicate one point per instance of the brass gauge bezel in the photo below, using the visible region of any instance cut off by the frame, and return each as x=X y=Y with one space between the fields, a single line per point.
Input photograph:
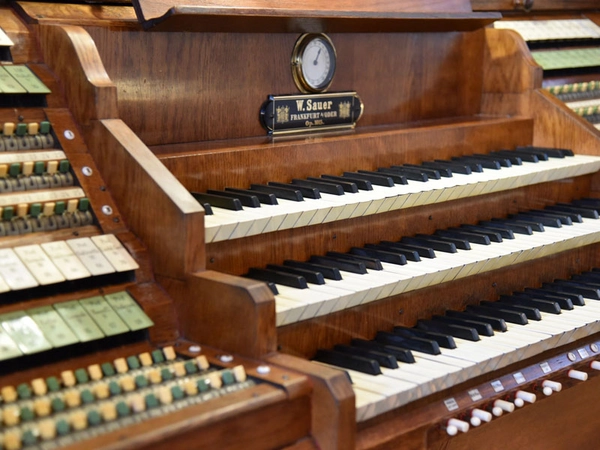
x=300 y=47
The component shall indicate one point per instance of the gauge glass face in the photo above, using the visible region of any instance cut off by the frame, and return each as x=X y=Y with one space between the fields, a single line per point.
x=318 y=63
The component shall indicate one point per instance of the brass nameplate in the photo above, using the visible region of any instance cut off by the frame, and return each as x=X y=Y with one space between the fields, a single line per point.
x=285 y=114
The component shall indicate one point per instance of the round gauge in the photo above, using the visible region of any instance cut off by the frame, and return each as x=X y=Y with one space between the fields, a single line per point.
x=313 y=62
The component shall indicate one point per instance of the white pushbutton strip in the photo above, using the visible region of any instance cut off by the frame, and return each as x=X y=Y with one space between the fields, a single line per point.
x=29 y=266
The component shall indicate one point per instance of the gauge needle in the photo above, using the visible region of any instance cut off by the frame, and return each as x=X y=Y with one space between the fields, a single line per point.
x=316 y=57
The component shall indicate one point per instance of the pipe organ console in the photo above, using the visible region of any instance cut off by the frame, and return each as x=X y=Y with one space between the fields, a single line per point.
x=295 y=225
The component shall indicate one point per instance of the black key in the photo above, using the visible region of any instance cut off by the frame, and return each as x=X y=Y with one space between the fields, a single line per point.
x=401 y=354
x=284 y=278
x=347 y=266
x=524 y=156
x=460 y=166
x=515 y=160
x=440 y=166
x=485 y=163
x=424 y=251
x=409 y=255
x=347 y=186
x=443 y=339
x=542 y=156
x=505 y=233
x=496 y=323
x=534 y=225
x=457 y=331
x=532 y=219
x=207 y=209
x=431 y=173
x=384 y=360
x=331 y=273
x=307 y=192
x=512 y=226
x=577 y=299
x=286 y=193
x=588 y=213
x=347 y=361
x=542 y=305
x=577 y=288
x=530 y=313
x=482 y=328
x=373 y=178
x=549 y=151
x=361 y=183
x=564 y=219
x=461 y=244
x=508 y=315
x=417 y=344
x=473 y=238
x=503 y=161
x=564 y=302
x=310 y=275
x=370 y=263
x=587 y=203
x=382 y=255
x=433 y=167
x=273 y=288
x=433 y=243
x=263 y=197
x=593 y=275
x=218 y=201
x=396 y=178
x=407 y=173
x=328 y=188
x=493 y=236
x=250 y=201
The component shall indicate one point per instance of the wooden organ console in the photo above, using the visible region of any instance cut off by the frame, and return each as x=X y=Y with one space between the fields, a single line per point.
x=485 y=216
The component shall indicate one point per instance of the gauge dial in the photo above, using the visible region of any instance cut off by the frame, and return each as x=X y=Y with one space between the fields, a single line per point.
x=313 y=62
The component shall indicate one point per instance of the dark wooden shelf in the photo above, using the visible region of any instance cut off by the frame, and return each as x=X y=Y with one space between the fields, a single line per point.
x=160 y=16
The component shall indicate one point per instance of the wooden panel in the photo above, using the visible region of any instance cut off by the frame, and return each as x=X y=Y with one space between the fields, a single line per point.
x=333 y=409
x=74 y=14
x=24 y=50
x=179 y=102
x=313 y=156
x=155 y=204
x=538 y=5
x=235 y=314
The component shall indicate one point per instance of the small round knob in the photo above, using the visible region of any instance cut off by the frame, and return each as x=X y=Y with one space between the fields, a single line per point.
x=460 y=425
x=528 y=397
x=497 y=411
x=578 y=375
x=482 y=415
x=505 y=406
x=475 y=421
x=554 y=386
x=451 y=430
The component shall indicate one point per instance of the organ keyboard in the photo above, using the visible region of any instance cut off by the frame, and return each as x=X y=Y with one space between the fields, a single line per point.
x=232 y=216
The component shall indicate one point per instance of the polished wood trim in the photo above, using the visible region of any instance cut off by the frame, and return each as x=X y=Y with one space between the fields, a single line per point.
x=232 y=313
x=333 y=408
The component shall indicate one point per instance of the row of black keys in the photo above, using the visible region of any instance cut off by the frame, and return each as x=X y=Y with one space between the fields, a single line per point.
x=317 y=269
x=429 y=335
x=235 y=199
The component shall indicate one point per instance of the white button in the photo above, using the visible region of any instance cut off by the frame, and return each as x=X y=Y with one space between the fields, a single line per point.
x=460 y=425
x=578 y=375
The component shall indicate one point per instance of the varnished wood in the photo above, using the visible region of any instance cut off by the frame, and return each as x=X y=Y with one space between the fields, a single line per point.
x=235 y=314
x=447 y=86
x=538 y=5
x=332 y=402
x=310 y=16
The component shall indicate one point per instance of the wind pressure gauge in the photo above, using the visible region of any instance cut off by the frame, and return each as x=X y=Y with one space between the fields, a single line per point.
x=313 y=63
